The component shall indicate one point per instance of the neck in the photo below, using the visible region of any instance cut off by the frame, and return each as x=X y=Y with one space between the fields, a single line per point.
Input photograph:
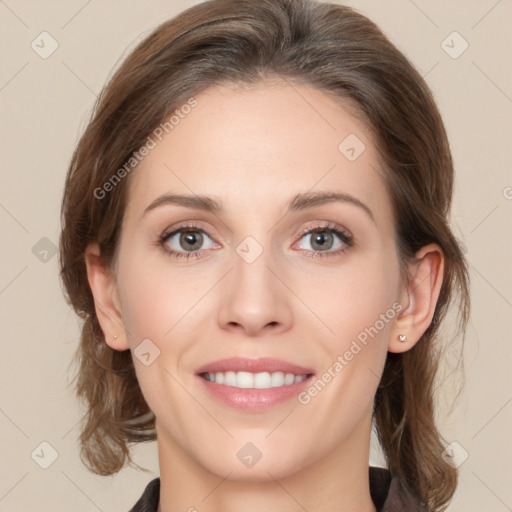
x=337 y=482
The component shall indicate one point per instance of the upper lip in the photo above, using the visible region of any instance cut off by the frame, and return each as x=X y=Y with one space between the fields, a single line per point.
x=263 y=364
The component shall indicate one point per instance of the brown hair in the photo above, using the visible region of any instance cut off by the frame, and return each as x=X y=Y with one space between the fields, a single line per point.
x=339 y=51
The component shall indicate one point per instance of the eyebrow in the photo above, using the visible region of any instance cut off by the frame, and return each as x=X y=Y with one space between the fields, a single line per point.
x=299 y=202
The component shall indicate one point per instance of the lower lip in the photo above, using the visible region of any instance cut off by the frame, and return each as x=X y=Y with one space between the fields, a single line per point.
x=250 y=399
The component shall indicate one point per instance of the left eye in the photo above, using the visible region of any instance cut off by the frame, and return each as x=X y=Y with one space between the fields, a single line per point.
x=323 y=239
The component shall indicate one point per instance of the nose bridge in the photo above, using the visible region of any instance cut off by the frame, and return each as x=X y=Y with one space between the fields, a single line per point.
x=255 y=297
x=253 y=254
x=252 y=278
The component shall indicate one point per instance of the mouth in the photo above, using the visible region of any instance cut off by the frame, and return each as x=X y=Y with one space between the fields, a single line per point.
x=254 y=384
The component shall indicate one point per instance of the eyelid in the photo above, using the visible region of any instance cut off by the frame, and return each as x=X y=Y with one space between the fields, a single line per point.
x=325 y=225
x=192 y=225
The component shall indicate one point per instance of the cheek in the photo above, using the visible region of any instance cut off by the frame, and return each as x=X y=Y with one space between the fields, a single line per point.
x=352 y=299
x=359 y=307
x=155 y=300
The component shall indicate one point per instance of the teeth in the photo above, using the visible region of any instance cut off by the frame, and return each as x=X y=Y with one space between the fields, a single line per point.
x=263 y=380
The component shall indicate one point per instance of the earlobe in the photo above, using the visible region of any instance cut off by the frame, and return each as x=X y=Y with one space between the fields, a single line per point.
x=106 y=299
x=419 y=297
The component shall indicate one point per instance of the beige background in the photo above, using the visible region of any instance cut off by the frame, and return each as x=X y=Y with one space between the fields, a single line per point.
x=44 y=105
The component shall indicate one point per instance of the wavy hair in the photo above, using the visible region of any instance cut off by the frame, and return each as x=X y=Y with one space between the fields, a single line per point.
x=337 y=50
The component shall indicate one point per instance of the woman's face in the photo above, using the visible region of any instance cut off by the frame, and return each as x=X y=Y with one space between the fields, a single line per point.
x=272 y=274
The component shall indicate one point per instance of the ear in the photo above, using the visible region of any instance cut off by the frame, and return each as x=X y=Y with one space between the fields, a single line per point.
x=106 y=299
x=419 y=297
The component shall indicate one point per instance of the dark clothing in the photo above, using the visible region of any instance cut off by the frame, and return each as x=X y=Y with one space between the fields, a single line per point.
x=383 y=490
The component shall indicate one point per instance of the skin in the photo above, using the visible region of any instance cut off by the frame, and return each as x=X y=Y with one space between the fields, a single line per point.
x=253 y=149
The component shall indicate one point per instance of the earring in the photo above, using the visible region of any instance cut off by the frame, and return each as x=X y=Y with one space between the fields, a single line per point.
x=402 y=337
x=115 y=337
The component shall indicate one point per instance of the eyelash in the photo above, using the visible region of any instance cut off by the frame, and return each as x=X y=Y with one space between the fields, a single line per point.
x=347 y=239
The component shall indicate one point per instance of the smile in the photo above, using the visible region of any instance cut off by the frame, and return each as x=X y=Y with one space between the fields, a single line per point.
x=262 y=380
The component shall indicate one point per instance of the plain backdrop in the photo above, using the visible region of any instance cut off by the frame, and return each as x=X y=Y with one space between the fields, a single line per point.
x=44 y=106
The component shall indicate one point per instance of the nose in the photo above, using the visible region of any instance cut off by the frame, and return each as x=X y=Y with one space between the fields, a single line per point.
x=255 y=300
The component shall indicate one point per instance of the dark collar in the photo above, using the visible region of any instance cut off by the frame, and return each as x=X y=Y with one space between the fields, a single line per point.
x=384 y=492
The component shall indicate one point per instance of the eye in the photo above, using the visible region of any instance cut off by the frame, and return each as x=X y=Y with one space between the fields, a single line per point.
x=185 y=241
x=328 y=239
x=325 y=240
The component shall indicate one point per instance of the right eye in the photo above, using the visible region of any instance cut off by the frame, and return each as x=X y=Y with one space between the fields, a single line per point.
x=184 y=242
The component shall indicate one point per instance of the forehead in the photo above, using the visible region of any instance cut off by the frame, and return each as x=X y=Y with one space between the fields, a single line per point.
x=256 y=146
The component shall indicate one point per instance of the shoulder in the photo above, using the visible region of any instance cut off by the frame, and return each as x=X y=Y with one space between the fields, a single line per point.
x=148 y=502
x=388 y=495
x=385 y=492
x=380 y=482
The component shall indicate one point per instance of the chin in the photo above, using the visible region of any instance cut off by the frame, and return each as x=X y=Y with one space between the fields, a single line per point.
x=249 y=464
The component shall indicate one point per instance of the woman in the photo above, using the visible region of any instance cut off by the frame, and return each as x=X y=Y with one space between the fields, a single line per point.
x=255 y=231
